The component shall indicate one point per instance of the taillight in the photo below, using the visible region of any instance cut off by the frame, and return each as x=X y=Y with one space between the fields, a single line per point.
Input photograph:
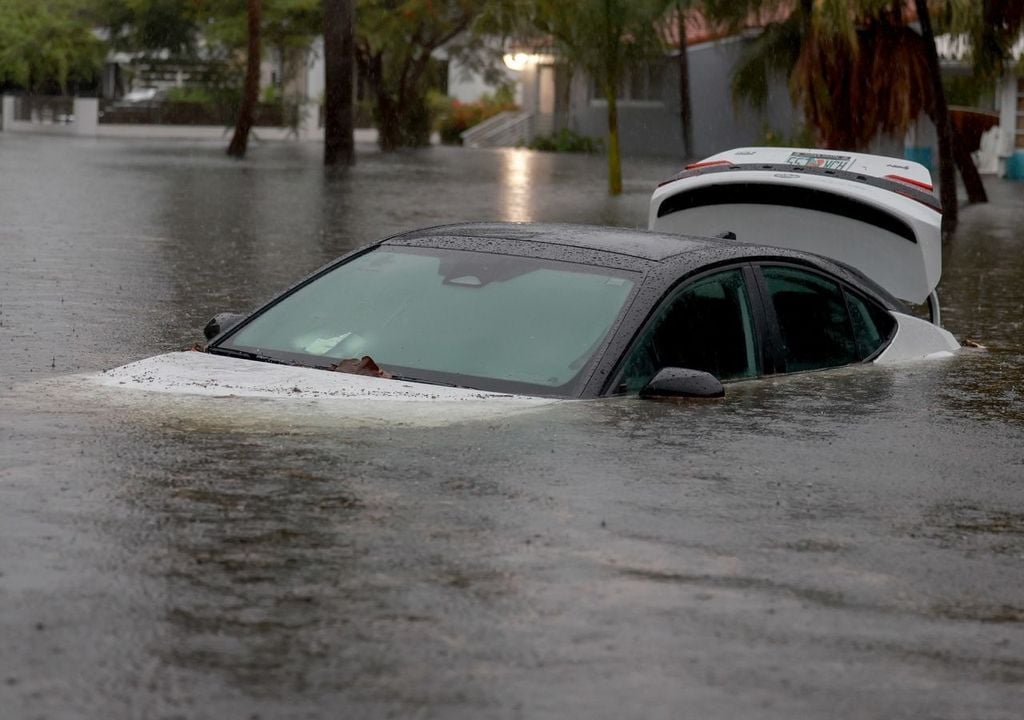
x=695 y=166
x=909 y=181
x=706 y=163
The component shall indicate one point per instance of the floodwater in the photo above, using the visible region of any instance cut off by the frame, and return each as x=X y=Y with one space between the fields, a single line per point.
x=847 y=544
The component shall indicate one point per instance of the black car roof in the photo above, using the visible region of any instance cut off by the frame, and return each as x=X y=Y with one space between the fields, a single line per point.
x=619 y=247
x=640 y=244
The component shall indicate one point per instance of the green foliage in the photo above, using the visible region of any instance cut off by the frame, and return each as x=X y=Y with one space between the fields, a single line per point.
x=395 y=40
x=455 y=117
x=773 y=53
x=286 y=24
x=854 y=67
x=149 y=26
x=45 y=44
x=992 y=27
x=565 y=140
x=605 y=38
x=194 y=94
x=964 y=90
x=272 y=95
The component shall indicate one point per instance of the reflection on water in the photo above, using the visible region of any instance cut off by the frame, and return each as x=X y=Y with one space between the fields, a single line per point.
x=517 y=186
x=167 y=558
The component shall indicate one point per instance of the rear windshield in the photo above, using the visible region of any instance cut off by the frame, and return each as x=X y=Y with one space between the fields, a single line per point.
x=493 y=322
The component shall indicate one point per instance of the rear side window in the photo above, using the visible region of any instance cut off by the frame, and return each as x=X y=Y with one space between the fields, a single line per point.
x=811 y=312
x=822 y=324
x=872 y=325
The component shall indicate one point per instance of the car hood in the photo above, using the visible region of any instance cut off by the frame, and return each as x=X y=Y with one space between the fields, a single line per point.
x=198 y=373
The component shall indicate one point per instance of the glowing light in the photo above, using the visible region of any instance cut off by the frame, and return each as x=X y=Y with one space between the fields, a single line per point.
x=519 y=61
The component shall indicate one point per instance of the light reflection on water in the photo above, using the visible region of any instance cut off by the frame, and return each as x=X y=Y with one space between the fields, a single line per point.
x=239 y=558
x=517 y=186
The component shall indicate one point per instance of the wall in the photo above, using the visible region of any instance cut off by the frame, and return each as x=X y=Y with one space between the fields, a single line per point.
x=654 y=128
x=467 y=84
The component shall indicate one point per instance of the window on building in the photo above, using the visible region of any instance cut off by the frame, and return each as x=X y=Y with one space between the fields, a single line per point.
x=642 y=82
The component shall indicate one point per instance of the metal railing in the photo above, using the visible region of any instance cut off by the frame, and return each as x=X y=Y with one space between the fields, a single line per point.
x=512 y=127
x=49 y=109
x=191 y=113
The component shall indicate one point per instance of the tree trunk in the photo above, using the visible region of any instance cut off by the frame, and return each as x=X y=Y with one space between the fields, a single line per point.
x=251 y=91
x=947 y=169
x=389 y=123
x=614 y=158
x=339 y=60
x=685 y=105
x=968 y=172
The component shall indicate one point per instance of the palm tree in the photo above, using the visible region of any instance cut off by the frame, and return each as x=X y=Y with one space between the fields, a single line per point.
x=856 y=70
x=606 y=38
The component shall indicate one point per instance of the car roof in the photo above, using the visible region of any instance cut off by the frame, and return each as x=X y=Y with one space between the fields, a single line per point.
x=640 y=244
x=623 y=248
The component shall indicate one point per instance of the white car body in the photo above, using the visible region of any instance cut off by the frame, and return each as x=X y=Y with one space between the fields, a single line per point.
x=207 y=387
x=753 y=193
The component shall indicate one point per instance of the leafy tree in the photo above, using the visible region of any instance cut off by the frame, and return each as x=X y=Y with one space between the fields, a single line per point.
x=284 y=24
x=605 y=38
x=395 y=40
x=149 y=26
x=229 y=26
x=46 y=44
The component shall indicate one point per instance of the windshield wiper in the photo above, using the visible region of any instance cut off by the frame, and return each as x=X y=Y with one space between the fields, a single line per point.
x=248 y=355
x=245 y=354
x=409 y=378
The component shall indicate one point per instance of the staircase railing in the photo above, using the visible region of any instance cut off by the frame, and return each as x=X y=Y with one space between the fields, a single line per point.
x=511 y=127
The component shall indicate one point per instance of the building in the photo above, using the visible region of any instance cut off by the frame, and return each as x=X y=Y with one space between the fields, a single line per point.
x=1001 y=148
x=648 y=100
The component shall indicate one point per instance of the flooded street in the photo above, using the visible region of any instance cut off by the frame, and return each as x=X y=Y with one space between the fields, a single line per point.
x=843 y=544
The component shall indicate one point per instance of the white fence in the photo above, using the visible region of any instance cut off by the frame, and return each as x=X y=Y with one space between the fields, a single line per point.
x=81 y=117
x=49 y=118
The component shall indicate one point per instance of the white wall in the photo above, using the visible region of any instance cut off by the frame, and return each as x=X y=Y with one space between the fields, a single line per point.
x=465 y=85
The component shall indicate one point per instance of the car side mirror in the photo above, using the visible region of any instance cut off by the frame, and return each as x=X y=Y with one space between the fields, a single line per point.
x=682 y=382
x=220 y=323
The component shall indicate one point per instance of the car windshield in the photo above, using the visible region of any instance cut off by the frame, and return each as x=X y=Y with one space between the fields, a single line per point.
x=493 y=322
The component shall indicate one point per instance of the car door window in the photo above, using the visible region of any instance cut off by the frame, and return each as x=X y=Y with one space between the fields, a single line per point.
x=705 y=326
x=813 y=319
x=872 y=325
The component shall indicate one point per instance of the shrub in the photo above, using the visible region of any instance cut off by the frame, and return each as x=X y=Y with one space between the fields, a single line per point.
x=566 y=140
x=454 y=117
x=194 y=94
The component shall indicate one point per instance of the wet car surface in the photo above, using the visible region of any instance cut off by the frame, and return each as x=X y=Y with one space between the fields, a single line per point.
x=567 y=311
x=847 y=544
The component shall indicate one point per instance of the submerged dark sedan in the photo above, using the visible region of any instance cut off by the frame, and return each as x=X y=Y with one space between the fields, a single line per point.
x=575 y=312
